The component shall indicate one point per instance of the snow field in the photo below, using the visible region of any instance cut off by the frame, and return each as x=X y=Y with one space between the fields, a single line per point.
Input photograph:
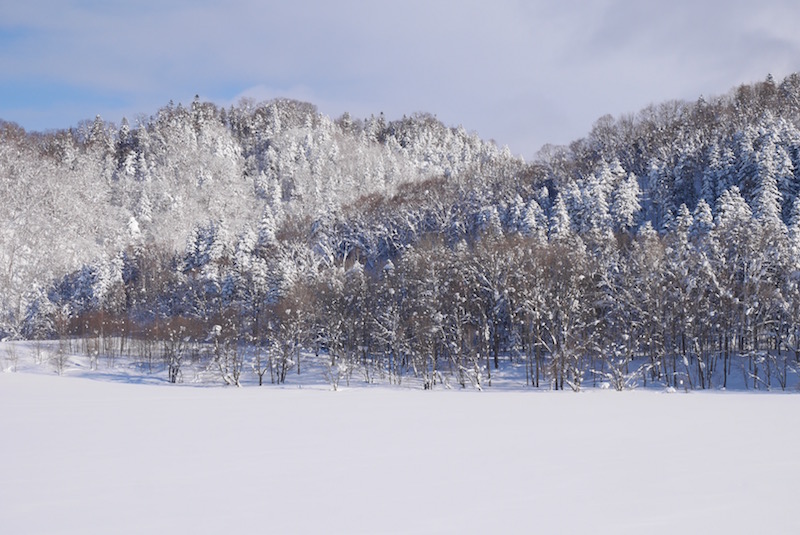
x=84 y=456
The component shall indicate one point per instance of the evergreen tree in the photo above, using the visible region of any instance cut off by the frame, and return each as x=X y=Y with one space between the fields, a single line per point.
x=560 y=224
x=626 y=206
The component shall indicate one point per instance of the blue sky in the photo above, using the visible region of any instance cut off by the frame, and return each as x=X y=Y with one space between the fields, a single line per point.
x=523 y=73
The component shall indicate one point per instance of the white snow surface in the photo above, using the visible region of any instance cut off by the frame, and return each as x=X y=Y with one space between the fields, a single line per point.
x=91 y=456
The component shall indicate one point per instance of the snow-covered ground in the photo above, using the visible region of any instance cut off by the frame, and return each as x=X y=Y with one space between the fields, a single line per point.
x=83 y=455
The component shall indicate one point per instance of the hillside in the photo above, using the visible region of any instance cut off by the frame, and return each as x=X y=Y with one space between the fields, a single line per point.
x=668 y=238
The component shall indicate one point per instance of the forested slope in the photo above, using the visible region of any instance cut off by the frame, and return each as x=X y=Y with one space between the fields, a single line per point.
x=669 y=239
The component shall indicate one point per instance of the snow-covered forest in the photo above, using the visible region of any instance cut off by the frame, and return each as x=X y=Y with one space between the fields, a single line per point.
x=662 y=248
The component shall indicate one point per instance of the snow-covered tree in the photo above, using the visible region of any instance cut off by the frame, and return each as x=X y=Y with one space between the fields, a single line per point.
x=625 y=207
